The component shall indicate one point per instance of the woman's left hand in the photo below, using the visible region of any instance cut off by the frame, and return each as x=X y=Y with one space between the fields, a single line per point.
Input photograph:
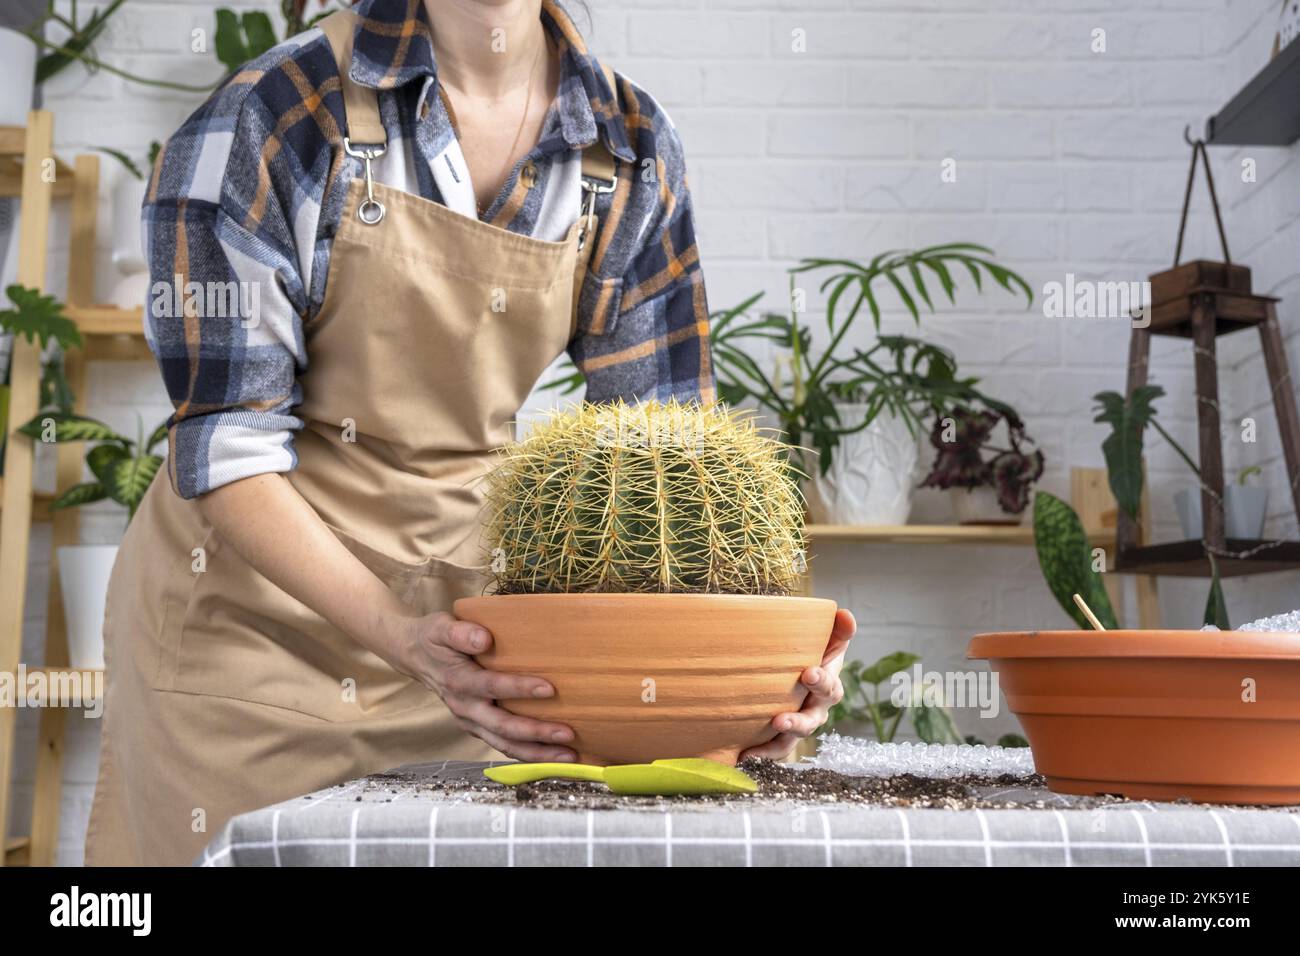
x=824 y=691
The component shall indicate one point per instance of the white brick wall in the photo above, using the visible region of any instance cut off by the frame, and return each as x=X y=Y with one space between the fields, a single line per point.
x=1068 y=160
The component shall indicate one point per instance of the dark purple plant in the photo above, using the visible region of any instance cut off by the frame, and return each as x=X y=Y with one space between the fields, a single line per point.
x=962 y=439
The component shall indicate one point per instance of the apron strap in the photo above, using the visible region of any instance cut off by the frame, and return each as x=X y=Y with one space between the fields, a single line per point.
x=599 y=174
x=597 y=161
x=360 y=103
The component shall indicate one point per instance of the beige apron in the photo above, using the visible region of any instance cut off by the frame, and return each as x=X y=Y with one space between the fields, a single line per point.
x=224 y=694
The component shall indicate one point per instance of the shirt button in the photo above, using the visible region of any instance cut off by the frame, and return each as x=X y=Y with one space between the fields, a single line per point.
x=528 y=175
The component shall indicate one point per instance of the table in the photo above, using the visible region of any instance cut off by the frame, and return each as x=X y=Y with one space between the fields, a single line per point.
x=402 y=819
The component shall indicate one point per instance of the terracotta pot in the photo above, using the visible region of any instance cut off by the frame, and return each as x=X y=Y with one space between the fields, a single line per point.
x=641 y=677
x=1157 y=715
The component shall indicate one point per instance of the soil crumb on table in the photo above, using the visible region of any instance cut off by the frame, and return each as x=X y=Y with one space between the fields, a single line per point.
x=778 y=784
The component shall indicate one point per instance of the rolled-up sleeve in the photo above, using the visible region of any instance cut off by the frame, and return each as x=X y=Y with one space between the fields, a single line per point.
x=226 y=299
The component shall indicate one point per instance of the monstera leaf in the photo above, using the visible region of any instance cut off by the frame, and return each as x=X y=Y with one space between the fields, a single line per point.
x=38 y=317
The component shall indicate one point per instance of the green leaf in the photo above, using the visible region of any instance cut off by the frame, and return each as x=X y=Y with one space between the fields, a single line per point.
x=259 y=33
x=1122 y=448
x=159 y=435
x=1066 y=560
x=129 y=478
x=56 y=392
x=103 y=458
x=229 y=41
x=1012 y=740
x=124 y=159
x=888 y=666
x=71 y=428
x=888 y=709
x=78 y=41
x=38 y=317
x=935 y=725
x=82 y=494
x=1216 y=609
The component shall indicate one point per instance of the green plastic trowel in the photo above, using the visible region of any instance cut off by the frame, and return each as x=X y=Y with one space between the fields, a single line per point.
x=661 y=778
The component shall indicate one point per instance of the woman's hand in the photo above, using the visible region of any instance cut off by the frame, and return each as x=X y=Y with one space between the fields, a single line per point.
x=438 y=650
x=824 y=691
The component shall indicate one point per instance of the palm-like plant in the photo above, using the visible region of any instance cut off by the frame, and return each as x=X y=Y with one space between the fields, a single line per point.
x=905 y=376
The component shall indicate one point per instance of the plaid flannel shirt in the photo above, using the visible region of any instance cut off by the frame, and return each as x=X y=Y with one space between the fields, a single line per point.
x=245 y=198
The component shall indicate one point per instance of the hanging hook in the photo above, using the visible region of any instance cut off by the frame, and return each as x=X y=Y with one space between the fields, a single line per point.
x=1187 y=136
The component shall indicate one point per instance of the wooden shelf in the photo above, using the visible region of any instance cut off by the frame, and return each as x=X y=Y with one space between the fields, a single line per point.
x=1267 y=110
x=111 y=334
x=107 y=320
x=1187 y=559
x=13 y=143
x=18 y=851
x=1233 y=311
x=1021 y=535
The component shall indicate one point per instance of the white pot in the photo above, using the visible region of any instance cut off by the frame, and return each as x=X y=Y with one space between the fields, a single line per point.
x=128 y=241
x=980 y=506
x=872 y=474
x=17 y=76
x=1244 y=510
x=84 y=571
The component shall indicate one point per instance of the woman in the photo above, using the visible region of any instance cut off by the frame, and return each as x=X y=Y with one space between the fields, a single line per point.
x=380 y=233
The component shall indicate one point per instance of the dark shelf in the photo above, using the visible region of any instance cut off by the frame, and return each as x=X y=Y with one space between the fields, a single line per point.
x=1267 y=110
x=1186 y=559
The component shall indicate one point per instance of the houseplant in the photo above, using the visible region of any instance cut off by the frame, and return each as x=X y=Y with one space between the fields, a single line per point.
x=859 y=406
x=1159 y=714
x=989 y=483
x=643 y=560
x=122 y=469
x=1244 y=506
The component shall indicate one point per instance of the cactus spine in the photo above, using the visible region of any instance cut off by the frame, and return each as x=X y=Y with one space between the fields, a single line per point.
x=655 y=497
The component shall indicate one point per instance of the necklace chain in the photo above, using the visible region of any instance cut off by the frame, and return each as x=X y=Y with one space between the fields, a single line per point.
x=528 y=102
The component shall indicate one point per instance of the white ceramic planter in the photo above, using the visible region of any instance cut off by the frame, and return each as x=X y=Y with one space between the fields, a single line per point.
x=17 y=76
x=980 y=506
x=1244 y=510
x=84 y=570
x=131 y=289
x=872 y=474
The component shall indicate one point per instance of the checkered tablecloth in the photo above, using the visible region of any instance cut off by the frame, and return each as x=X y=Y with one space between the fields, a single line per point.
x=364 y=823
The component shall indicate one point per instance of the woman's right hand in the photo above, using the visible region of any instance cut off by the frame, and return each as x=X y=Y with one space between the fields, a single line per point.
x=438 y=650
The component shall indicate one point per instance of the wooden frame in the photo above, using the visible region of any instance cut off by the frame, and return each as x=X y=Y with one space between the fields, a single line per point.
x=108 y=333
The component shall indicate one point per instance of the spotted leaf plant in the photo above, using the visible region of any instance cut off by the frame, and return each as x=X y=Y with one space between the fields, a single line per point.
x=122 y=467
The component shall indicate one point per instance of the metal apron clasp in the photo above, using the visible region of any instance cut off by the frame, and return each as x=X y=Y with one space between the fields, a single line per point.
x=592 y=188
x=371 y=210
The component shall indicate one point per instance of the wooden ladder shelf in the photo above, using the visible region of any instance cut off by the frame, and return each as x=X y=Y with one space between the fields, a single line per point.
x=30 y=171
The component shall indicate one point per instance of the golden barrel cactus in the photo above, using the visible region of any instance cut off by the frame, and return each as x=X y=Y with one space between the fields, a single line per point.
x=654 y=497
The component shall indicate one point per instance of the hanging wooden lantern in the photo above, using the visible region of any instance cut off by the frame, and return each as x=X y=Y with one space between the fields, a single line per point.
x=1202 y=300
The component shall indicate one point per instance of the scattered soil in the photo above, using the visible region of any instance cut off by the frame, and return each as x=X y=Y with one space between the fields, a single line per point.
x=778 y=784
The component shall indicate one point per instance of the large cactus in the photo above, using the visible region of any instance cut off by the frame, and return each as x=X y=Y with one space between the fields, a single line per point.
x=654 y=497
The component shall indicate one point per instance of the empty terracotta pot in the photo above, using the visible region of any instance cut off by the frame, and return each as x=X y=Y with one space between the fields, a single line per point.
x=1212 y=716
x=641 y=677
